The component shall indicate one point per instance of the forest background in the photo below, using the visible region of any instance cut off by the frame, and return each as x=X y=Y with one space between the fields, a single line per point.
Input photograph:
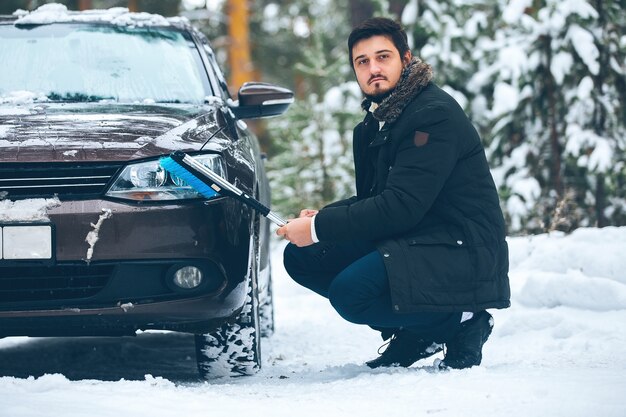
x=543 y=81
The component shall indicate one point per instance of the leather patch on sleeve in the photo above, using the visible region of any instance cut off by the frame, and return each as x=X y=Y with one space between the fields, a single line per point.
x=420 y=138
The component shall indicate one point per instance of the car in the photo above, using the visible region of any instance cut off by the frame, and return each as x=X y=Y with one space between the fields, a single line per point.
x=95 y=237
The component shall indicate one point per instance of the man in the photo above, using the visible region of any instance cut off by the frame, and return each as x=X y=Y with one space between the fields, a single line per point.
x=419 y=253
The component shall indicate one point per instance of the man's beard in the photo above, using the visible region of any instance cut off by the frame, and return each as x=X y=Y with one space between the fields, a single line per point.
x=378 y=98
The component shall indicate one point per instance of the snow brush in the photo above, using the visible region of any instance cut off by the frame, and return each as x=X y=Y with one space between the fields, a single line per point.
x=208 y=183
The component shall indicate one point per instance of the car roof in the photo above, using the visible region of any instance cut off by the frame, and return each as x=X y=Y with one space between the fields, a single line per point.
x=120 y=16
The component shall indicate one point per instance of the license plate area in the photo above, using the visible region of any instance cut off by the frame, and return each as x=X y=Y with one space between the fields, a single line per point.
x=23 y=242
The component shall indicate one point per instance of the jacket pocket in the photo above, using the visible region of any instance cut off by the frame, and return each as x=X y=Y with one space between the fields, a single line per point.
x=439 y=262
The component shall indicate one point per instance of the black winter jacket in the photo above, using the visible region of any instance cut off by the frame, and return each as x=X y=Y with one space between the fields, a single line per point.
x=426 y=197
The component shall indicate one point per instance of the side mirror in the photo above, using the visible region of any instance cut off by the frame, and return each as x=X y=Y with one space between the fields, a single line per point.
x=261 y=100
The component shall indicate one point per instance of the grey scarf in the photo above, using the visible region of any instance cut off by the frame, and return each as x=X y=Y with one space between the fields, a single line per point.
x=415 y=76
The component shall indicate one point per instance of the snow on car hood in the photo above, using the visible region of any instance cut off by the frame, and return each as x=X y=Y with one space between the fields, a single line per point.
x=104 y=132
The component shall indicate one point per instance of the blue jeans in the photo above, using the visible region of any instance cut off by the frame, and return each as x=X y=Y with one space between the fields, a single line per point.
x=353 y=277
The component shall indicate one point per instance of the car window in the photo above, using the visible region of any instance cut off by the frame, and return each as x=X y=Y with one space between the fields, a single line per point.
x=214 y=68
x=81 y=62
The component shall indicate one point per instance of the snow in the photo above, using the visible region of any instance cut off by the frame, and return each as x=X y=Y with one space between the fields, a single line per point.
x=49 y=13
x=561 y=65
x=94 y=235
x=301 y=27
x=409 y=13
x=4 y=130
x=514 y=10
x=475 y=24
x=582 y=8
x=22 y=97
x=126 y=306
x=505 y=99
x=344 y=97
x=193 y=4
x=585 y=47
x=560 y=350
x=600 y=159
x=35 y=209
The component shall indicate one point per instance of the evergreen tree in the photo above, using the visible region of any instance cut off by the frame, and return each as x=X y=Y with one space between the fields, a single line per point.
x=449 y=35
x=596 y=118
x=557 y=120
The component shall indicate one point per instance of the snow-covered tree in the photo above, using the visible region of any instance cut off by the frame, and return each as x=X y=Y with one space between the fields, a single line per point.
x=550 y=79
x=447 y=34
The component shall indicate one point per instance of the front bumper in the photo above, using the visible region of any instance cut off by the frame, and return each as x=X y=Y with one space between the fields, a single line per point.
x=124 y=282
x=194 y=315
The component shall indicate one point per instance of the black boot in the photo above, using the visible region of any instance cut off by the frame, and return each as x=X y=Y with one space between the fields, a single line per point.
x=464 y=350
x=404 y=349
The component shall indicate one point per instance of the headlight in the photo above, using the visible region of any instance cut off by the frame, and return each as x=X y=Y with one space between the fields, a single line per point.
x=145 y=176
x=147 y=181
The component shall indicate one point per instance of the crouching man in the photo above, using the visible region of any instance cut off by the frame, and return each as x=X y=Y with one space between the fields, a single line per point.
x=419 y=253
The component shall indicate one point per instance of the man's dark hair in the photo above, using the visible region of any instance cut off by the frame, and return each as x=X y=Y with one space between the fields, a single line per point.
x=379 y=26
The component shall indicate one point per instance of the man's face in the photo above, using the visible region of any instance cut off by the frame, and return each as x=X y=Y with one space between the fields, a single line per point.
x=377 y=65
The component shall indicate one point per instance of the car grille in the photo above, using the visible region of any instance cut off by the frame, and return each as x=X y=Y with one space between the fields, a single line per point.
x=66 y=180
x=61 y=282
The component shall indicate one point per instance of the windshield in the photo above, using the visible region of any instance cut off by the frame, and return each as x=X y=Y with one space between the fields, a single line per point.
x=81 y=62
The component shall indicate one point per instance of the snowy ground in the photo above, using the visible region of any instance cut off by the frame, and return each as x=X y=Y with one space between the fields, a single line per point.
x=560 y=350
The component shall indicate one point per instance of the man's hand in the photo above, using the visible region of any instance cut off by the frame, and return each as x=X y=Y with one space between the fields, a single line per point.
x=308 y=213
x=298 y=231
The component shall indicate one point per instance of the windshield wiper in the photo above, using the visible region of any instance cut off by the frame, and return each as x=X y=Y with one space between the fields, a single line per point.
x=76 y=97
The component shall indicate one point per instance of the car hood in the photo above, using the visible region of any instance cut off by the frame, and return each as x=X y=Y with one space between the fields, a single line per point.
x=105 y=132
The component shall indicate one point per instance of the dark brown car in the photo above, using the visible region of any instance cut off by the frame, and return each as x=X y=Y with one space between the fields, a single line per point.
x=95 y=238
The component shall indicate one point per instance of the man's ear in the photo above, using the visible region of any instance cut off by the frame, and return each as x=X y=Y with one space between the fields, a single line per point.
x=406 y=59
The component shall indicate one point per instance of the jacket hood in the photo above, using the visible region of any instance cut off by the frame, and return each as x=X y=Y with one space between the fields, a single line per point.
x=102 y=132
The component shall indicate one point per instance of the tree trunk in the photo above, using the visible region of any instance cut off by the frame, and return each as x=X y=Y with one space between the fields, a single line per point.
x=600 y=202
x=556 y=179
x=599 y=111
x=239 y=61
x=360 y=10
x=396 y=7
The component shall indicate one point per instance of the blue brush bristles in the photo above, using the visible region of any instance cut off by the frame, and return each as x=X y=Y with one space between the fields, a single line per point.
x=179 y=171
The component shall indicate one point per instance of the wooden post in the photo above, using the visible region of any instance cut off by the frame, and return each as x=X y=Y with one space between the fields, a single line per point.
x=239 y=62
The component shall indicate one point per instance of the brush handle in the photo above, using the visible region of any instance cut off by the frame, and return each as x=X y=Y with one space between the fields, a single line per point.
x=258 y=206
x=221 y=186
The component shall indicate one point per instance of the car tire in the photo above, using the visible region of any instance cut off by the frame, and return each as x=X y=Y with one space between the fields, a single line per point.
x=234 y=349
x=266 y=308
